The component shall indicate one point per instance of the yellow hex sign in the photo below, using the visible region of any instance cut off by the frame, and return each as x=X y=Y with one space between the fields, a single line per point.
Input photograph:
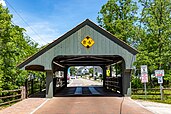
x=108 y=72
x=87 y=42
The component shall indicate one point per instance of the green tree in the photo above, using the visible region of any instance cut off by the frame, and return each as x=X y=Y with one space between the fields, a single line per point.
x=155 y=45
x=14 y=47
x=73 y=70
x=119 y=18
x=91 y=71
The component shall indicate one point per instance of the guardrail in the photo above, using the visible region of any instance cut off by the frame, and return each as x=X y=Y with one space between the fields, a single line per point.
x=10 y=96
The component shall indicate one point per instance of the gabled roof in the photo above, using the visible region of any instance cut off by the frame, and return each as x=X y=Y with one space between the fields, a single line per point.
x=86 y=22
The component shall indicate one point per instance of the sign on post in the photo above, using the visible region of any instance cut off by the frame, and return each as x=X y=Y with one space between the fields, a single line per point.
x=159 y=74
x=144 y=77
x=144 y=74
x=160 y=79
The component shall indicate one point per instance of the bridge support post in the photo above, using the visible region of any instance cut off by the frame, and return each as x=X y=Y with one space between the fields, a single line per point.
x=126 y=82
x=65 y=76
x=104 y=76
x=49 y=84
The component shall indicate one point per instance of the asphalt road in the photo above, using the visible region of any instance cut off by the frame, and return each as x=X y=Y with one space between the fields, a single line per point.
x=93 y=104
x=83 y=82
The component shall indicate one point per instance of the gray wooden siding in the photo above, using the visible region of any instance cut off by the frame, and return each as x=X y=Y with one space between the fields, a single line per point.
x=72 y=46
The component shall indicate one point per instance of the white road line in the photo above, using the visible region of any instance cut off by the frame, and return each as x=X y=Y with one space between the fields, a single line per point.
x=93 y=91
x=78 y=91
x=39 y=106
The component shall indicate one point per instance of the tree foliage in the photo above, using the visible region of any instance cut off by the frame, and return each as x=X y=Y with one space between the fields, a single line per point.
x=155 y=46
x=118 y=17
x=14 y=47
x=148 y=29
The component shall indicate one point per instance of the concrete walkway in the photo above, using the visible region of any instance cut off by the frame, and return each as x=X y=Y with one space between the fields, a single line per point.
x=156 y=108
x=26 y=106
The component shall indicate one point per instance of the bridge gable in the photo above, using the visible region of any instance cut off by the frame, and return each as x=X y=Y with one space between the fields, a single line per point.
x=70 y=44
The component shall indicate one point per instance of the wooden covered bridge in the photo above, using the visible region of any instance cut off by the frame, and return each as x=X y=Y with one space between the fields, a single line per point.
x=85 y=45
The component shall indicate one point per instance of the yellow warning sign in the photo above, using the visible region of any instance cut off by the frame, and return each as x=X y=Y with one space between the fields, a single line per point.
x=87 y=42
x=108 y=72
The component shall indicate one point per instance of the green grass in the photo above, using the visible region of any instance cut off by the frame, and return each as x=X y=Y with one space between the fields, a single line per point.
x=6 y=105
x=153 y=96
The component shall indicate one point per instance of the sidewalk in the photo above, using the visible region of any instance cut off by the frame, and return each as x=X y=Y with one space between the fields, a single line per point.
x=26 y=106
x=156 y=108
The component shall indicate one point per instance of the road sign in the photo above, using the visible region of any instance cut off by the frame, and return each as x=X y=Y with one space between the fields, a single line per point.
x=160 y=79
x=108 y=72
x=144 y=74
x=144 y=69
x=159 y=73
x=87 y=42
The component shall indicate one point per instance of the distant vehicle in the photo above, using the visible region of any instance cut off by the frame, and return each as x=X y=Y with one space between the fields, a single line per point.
x=72 y=77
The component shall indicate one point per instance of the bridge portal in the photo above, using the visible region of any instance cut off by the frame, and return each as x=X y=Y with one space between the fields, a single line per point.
x=85 y=45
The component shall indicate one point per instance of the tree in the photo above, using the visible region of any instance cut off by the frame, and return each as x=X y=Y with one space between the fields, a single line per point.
x=91 y=71
x=155 y=45
x=73 y=70
x=14 y=47
x=119 y=18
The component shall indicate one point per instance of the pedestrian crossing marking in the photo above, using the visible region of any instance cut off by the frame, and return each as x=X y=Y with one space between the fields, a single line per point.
x=78 y=91
x=93 y=91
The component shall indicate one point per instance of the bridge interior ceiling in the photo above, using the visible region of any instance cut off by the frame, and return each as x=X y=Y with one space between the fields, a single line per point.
x=90 y=60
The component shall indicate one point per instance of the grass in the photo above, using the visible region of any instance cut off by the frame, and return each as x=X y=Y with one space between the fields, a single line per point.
x=6 y=105
x=153 y=96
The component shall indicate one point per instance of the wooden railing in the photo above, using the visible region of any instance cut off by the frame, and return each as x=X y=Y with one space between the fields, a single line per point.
x=58 y=83
x=113 y=83
x=10 y=96
x=152 y=93
x=34 y=86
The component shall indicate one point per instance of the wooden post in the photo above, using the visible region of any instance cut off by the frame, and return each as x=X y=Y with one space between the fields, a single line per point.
x=104 y=76
x=23 y=92
x=26 y=88
x=32 y=87
x=40 y=81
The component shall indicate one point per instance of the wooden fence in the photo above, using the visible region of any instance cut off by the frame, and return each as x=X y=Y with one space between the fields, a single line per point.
x=152 y=93
x=33 y=86
x=10 y=96
x=113 y=83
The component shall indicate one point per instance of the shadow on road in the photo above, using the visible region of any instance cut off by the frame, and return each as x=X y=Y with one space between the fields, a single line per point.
x=70 y=92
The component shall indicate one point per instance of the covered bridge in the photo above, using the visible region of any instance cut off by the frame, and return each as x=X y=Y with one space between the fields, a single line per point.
x=85 y=45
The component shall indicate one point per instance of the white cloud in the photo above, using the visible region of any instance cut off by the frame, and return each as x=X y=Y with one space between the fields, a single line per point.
x=2 y=2
x=46 y=32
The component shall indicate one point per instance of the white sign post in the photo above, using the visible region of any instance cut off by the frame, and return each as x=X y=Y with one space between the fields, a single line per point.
x=159 y=74
x=144 y=77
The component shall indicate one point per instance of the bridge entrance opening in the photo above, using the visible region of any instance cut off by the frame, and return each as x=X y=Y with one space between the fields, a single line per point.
x=105 y=72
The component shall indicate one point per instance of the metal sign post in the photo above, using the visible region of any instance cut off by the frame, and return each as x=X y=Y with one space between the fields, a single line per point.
x=144 y=78
x=159 y=74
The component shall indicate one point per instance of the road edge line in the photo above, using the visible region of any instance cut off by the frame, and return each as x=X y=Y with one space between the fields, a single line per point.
x=39 y=106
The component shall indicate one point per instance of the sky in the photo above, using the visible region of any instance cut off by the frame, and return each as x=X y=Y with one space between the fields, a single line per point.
x=46 y=20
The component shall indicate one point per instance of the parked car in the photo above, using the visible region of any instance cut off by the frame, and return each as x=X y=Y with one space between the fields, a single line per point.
x=73 y=77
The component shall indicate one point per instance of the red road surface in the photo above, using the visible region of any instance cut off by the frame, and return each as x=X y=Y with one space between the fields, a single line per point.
x=91 y=105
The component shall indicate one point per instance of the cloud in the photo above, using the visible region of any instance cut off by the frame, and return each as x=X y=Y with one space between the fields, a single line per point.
x=2 y=2
x=45 y=32
x=40 y=30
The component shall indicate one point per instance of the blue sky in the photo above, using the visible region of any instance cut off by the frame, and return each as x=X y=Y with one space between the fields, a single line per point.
x=52 y=18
